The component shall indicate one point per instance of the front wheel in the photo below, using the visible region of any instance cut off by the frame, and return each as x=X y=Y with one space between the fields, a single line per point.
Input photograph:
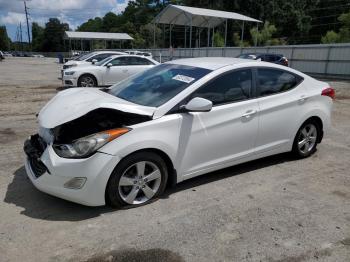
x=305 y=142
x=87 y=81
x=138 y=179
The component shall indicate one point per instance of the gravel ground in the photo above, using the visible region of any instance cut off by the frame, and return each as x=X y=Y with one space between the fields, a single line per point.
x=273 y=209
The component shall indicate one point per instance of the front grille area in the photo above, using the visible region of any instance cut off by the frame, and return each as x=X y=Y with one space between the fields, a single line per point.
x=34 y=148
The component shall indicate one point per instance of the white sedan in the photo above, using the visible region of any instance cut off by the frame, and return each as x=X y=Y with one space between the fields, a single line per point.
x=108 y=71
x=178 y=120
x=89 y=58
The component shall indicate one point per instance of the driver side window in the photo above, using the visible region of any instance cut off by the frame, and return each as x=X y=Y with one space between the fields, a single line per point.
x=227 y=88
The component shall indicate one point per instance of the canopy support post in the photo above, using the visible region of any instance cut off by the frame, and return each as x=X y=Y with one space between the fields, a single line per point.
x=242 y=35
x=225 y=32
x=208 y=36
x=199 y=38
x=191 y=34
x=256 y=36
x=154 y=35
x=212 y=38
x=170 y=35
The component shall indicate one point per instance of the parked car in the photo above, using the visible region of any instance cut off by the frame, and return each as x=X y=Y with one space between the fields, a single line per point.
x=2 y=55
x=135 y=52
x=272 y=58
x=107 y=72
x=175 y=121
x=7 y=54
x=89 y=58
x=38 y=55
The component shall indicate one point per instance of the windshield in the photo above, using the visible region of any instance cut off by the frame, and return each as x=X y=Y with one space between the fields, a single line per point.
x=157 y=85
x=247 y=56
x=83 y=57
x=103 y=61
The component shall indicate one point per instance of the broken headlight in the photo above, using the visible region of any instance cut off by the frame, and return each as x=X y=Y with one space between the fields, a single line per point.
x=86 y=146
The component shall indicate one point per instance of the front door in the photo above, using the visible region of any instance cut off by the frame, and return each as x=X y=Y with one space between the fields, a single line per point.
x=210 y=140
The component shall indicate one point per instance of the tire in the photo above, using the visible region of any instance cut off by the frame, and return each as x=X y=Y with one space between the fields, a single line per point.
x=87 y=81
x=128 y=185
x=306 y=139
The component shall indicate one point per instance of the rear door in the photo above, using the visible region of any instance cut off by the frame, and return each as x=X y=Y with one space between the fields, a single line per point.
x=282 y=98
x=138 y=64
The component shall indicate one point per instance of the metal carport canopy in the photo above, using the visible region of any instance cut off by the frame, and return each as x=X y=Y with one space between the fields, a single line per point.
x=201 y=17
x=97 y=36
x=198 y=17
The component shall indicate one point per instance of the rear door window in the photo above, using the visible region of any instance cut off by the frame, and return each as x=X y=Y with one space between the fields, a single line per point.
x=273 y=81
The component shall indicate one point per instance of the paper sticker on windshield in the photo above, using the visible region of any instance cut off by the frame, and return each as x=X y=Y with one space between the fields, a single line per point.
x=183 y=78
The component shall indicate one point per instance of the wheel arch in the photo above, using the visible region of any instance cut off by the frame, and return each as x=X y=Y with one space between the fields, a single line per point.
x=89 y=74
x=319 y=122
x=172 y=174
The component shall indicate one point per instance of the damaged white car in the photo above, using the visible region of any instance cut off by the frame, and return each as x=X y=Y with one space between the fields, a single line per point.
x=175 y=121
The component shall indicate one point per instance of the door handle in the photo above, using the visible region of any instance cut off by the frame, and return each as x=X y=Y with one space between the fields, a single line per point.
x=302 y=98
x=249 y=114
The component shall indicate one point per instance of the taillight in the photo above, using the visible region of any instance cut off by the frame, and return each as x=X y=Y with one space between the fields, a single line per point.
x=329 y=92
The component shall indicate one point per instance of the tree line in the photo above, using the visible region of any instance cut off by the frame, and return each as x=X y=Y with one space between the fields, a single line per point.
x=285 y=22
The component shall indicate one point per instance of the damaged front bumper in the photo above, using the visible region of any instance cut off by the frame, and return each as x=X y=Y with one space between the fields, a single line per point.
x=51 y=174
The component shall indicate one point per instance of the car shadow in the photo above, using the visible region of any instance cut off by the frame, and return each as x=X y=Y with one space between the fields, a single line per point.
x=39 y=205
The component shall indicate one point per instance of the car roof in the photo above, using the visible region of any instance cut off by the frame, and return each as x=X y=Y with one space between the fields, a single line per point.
x=211 y=63
x=257 y=54
x=128 y=55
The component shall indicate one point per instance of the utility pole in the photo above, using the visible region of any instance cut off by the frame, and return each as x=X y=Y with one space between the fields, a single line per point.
x=26 y=11
x=20 y=35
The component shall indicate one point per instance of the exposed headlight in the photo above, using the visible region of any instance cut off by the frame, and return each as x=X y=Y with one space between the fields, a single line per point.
x=69 y=73
x=86 y=146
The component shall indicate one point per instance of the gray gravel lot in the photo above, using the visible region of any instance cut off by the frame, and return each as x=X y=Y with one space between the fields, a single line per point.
x=273 y=209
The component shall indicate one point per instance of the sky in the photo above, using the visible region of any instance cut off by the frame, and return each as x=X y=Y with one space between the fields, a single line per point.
x=73 y=12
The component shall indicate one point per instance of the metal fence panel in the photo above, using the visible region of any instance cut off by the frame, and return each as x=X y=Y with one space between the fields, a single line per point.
x=333 y=59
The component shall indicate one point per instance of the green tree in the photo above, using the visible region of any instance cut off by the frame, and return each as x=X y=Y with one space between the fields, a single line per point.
x=37 y=36
x=92 y=25
x=219 y=41
x=264 y=35
x=4 y=39
x=344 y=32
x=53 y=35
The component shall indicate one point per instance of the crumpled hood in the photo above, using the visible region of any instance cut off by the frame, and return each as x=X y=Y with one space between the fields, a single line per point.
x=76 y=102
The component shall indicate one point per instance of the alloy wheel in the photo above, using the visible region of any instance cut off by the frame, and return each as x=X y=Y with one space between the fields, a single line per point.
x=307 y=139
x=87 y=81
x=139 y=182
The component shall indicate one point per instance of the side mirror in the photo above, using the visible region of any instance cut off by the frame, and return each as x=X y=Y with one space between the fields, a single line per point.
x=198 y=104
x=109 y=65
x=94 y=61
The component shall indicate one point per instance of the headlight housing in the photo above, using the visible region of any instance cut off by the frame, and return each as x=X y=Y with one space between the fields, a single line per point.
x=69 y=73
x=87 y=146
x=69 y=66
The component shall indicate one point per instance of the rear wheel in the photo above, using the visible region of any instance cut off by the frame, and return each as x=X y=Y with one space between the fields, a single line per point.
x=305 y=142
x=138 y=179
x=87 y=81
